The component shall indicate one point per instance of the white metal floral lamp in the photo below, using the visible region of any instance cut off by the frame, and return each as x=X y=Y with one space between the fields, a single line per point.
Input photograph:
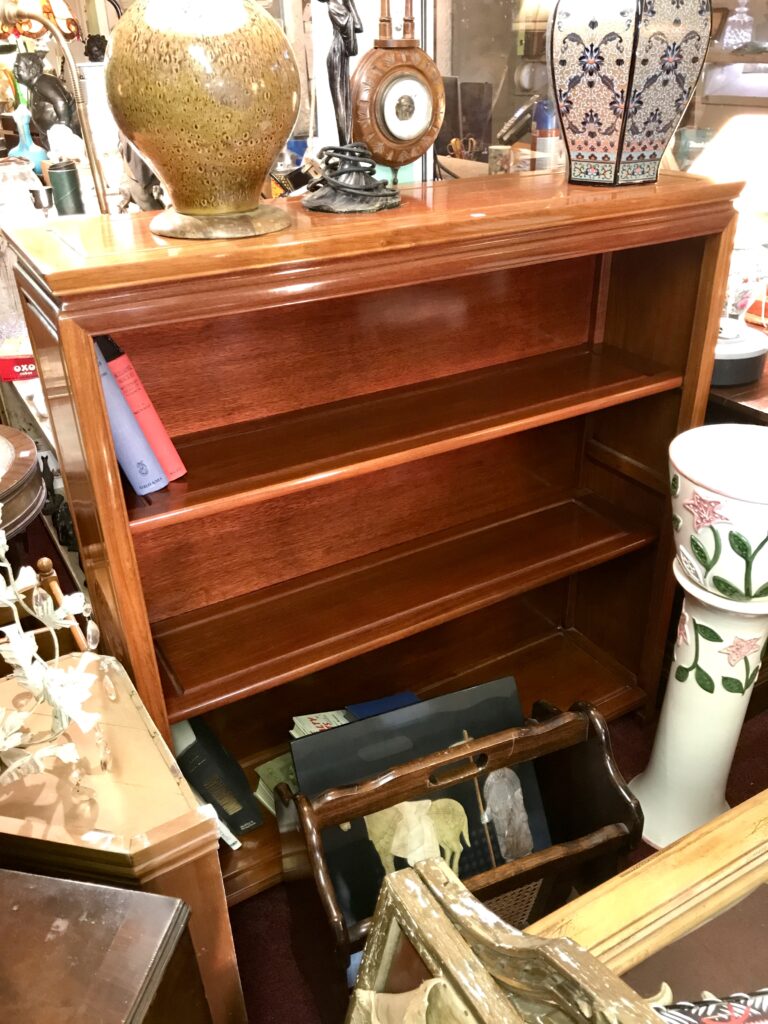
x=25 y=748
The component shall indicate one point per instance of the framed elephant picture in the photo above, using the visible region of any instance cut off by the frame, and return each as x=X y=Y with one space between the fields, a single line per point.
x=474 y=825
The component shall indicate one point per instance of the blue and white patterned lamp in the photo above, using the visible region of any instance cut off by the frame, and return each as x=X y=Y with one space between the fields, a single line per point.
x=624 y=73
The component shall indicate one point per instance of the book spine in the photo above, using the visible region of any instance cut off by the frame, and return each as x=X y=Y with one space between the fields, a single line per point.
x=216 y=776
x=148 y=419
x=226 y=835
x=133 y=450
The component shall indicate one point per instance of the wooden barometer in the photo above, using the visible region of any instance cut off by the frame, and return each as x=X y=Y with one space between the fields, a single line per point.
x=398 y=99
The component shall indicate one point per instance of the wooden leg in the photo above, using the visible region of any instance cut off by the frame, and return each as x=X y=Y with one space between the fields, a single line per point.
x=199 y=883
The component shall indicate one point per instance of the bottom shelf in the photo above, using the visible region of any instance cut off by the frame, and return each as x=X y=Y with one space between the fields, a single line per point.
x=561 y=668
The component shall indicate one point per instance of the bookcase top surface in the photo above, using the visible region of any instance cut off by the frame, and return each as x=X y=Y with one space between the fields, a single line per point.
x=538 y=217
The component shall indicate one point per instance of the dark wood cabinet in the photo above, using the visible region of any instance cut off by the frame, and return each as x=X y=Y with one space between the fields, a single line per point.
x=425 y=447
x=83 y=952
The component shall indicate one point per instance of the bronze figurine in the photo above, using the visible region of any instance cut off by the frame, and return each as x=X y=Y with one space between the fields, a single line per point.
x=346 y=24
x=50 y=103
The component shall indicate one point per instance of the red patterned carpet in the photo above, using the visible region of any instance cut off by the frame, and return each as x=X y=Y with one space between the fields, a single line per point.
x=275 y=991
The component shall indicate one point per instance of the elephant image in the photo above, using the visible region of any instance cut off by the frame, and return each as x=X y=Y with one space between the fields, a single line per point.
x=504 y=806
x=417 y=830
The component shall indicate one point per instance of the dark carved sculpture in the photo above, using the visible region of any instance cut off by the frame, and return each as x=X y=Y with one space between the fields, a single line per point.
x=346 y=24
x=65 y=528
x=95 y=48
x=50 y=102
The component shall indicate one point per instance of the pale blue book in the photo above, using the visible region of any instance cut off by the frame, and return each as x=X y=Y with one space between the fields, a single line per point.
x=134 y=452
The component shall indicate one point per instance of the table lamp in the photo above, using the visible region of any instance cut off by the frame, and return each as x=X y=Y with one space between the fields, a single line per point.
x=739 y=152
x=21 y=18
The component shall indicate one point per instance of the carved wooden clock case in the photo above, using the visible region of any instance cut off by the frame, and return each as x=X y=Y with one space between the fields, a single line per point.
x=398 y=99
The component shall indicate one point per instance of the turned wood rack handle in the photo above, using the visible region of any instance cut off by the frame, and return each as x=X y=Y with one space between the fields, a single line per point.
x=468 y=759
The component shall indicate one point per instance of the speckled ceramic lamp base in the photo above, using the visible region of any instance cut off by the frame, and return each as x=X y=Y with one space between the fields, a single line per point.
x=207 y=93
x=261 y=221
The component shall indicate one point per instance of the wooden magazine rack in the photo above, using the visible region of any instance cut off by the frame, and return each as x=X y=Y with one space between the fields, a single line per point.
x=592 y=816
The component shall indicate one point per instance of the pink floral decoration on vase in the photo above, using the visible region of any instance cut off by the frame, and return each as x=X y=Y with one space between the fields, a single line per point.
x=741 y=649
x=704 y=512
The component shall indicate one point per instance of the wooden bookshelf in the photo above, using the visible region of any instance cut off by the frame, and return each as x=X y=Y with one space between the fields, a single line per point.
x=425 y=448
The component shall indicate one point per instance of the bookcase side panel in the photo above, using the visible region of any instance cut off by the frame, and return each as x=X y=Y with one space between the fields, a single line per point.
x=67 y=371
x=712 y=280
x=652 y=300
x=664 y=301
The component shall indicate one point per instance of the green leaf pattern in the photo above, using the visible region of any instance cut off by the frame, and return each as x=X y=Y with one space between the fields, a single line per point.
x=727 y=589
x=703 y=679
x=699 y=552
x=739 y=544
x=732 y=685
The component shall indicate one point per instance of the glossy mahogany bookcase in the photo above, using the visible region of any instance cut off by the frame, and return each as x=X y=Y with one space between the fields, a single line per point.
x=426 y=447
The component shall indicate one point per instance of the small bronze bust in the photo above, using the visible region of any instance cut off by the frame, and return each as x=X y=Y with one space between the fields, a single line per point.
x=50 y=102
x=95 y=48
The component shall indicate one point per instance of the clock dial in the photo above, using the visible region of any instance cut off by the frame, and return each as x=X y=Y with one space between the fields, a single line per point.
x=406 y=108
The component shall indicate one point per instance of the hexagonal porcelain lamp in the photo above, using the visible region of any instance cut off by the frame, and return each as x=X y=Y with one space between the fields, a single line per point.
x=623 y=76
x=719 y=489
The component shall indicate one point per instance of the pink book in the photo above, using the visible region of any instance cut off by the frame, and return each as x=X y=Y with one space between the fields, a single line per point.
x=141 y=406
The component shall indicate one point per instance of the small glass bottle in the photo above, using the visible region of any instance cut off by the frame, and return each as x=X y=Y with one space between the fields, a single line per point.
x=739 y=27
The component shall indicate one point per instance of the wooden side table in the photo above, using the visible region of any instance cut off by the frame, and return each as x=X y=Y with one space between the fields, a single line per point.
x=643 y=909
x=137 y=825
x=743 y=403
x=85 y=952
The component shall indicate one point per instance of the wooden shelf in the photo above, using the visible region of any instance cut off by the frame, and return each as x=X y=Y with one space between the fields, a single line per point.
x=561 y=668
x=291 y=452
x=249 y=644
x=717 y=56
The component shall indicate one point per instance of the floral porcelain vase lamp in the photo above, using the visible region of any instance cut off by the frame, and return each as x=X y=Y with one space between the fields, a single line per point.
x=623 y=76
x=720 y=517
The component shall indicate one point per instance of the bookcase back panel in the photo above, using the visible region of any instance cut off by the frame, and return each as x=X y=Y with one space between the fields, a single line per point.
x=209 y=559
x=208 y=373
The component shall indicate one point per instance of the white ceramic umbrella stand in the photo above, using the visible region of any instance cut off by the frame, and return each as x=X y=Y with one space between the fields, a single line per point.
x=720 y=517
x=717 y=657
